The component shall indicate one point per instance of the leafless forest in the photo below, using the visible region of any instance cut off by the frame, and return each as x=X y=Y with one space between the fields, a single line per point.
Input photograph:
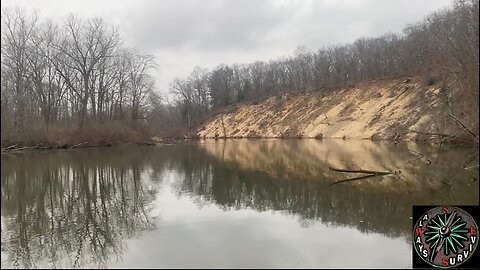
x=75 y=82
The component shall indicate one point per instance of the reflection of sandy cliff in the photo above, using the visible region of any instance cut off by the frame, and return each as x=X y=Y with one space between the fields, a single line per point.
x=291 y=176
x=309 y=159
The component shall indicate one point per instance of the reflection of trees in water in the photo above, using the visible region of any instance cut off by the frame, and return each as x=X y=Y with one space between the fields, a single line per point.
x=74 y=208
x=311 y=200
x=71 y=213
x=368 y=209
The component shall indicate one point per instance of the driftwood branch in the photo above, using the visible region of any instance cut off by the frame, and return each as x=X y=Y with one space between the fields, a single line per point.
x=20 y=149
x=15 y=148
x=420 y=156
x=9 y=147
x=356 y=178
x=77 y=145
x=359 y=171
x=369 y=173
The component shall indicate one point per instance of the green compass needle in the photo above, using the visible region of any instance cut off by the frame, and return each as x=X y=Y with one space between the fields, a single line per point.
x=458 y=226
x=460 y=244
x=431 y=238
x=451 y=244
x=459 y=236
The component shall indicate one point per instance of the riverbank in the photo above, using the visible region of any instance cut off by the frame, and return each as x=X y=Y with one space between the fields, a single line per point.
x=20 y=147
x=92 y=134
x=402 y=109
x=408 y=109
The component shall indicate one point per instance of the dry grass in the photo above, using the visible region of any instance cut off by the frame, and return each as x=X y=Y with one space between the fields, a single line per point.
x=91 y=134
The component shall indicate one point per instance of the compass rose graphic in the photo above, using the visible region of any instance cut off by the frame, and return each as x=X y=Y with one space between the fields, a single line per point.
x=445 y=236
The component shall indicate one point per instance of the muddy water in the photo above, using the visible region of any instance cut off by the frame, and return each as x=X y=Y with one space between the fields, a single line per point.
x=234 y=203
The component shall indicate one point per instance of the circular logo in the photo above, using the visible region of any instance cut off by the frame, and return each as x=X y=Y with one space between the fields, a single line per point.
x=445 y=236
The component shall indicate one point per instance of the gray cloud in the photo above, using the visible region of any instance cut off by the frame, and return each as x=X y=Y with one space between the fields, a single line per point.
x=218 y=25
x=185 y=33
x=206 y=25
x=348 y=20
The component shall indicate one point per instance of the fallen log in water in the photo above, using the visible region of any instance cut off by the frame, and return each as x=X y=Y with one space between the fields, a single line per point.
x=370 y=174
x=356 y=178
x=14 y=148
x=77 y=145
x=359 y=171
x=9 y=147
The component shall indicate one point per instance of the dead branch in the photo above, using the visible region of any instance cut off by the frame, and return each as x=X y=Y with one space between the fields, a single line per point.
x=20 y=149
x=9 y=147
x=356 y=178
x=430 y=133
x=458 y=121
x=471 y=167
x=14 y=148
x=420 y=156
x=359 y=171
x=395 y=139
x=77 y=145
x=326 y=123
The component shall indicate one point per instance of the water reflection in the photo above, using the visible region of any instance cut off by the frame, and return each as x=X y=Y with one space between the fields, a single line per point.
x=259 y=175
x=77 y=208
x=310 y=159
x=70 y=209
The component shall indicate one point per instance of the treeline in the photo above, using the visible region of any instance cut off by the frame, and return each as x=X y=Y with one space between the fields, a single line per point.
x=75 y=81
x=71 y=77
x=443 y=46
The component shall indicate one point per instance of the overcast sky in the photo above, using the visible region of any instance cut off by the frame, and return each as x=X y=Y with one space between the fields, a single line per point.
x=185 y=33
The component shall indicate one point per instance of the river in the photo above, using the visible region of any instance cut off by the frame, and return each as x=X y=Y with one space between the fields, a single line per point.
x=233 y=203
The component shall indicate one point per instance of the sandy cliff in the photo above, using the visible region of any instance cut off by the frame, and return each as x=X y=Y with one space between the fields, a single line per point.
x=400 y=109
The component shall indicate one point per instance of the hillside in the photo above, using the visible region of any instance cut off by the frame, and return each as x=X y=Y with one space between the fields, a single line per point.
x=397 y=109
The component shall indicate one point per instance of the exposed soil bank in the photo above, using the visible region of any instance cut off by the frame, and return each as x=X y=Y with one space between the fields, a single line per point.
x=394 y=109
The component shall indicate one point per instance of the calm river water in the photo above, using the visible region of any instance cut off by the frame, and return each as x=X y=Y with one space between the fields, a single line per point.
x=234 y=203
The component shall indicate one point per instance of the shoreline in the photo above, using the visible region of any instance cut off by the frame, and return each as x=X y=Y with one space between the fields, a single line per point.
x=16 y=148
